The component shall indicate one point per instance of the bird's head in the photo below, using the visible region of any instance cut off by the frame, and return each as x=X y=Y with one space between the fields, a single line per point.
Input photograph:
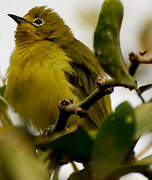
x=41 y=23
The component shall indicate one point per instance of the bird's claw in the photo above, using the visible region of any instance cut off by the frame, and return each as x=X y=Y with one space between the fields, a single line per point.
x=64 y=103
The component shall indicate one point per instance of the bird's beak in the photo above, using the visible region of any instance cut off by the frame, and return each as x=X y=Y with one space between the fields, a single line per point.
x=18 y=19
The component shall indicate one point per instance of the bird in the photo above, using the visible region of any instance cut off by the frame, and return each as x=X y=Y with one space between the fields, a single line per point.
x=47 y=65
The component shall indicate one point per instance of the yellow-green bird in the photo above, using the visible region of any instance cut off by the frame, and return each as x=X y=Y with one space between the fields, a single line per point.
x=49 y=64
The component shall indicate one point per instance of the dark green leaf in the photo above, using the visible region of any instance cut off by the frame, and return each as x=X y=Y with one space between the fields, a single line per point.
x=114 y=141
x=77 y=145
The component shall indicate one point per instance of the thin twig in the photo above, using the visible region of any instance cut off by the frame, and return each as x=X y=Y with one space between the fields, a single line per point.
x=140 y=58
x=140 y=96
x=134 y=64
x=143 y=151
x=4 y=117
x=74 y=166
x=126 y=169
x=56 y=173
x=6 y=121
x=143 y=59
x=137 y=59
x=145 y=88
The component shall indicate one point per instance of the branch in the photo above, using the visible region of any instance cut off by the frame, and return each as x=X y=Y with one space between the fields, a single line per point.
x=142 y=59
x=126 y=169
x=144 y=151
x=67 y=107
x=145 y=88
x=134 y=64
x=137 y=59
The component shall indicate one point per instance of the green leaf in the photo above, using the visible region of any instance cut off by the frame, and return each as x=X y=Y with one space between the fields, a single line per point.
x=107 y=43
x=17 y=157
x=143 y=119
x=76 y=144
x=114 y=140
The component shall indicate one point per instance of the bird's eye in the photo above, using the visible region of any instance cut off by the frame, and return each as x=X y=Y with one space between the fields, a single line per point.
x=38 y=22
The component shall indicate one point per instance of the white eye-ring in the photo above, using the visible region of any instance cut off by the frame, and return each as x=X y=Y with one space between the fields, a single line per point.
x=38 y=22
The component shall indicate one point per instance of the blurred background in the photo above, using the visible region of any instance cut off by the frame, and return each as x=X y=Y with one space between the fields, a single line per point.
x=81 y=16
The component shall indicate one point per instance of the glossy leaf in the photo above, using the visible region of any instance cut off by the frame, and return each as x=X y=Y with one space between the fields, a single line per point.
x=107 y=43
x=114 y=140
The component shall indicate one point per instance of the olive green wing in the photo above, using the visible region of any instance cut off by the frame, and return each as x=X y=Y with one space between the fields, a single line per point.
x=86 y=70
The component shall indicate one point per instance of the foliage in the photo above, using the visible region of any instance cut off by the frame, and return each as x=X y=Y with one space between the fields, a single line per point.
x=107 y=153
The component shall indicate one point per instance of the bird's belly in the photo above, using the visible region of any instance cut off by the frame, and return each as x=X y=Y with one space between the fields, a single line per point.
x=36 y=97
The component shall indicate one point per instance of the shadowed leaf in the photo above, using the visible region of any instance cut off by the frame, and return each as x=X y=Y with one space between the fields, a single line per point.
x=3 y=106
x=17 y=157
x=76 y=145
x=114 y=140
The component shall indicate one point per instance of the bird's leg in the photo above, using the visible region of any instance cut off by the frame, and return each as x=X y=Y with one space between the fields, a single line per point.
x=63 y=116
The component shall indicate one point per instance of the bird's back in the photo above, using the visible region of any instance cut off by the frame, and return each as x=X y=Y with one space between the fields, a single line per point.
x=86 y=70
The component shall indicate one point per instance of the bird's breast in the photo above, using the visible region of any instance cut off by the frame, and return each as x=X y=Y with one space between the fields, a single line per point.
x=37 y=82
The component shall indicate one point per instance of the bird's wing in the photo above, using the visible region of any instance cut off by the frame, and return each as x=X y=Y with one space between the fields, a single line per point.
x=86 y=70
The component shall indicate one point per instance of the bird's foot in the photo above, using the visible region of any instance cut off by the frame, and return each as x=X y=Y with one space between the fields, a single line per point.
x=64 y=103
